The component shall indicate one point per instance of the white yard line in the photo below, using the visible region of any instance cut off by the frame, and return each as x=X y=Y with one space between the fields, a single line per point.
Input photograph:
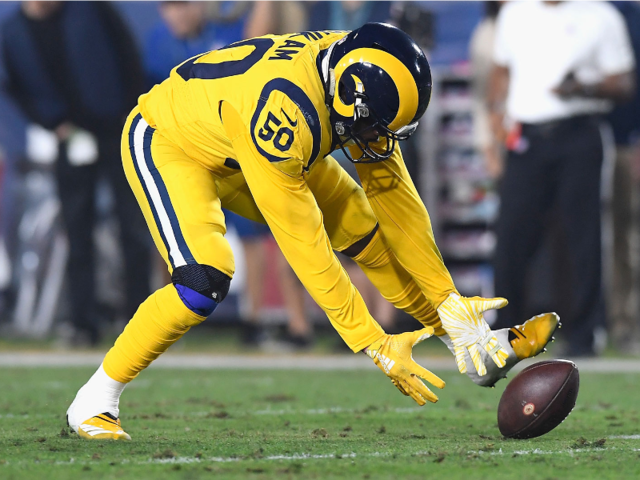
x=187 y=460
x=280 y=362
x=204 y=413
x=537 y=451
x=327 y=456
x=295 y=456
x=330 y=411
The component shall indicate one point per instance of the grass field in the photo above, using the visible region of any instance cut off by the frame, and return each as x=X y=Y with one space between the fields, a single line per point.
x=306 y=424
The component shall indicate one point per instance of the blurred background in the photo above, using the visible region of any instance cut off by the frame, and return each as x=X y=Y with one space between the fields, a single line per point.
x=528 y=161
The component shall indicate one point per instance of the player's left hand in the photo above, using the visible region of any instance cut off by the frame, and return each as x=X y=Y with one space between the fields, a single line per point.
x=392 y=354
x=462 y=318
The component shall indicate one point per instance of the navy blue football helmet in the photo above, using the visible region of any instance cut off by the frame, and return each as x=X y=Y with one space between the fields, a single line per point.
x=379 y=87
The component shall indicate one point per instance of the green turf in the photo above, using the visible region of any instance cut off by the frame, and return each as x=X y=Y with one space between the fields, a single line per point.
x=263 y=424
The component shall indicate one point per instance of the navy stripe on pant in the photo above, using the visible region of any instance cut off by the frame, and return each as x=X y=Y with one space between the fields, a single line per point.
x=140 y=138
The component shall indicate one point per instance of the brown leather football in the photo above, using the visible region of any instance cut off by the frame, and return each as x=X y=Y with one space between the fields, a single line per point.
x=538 y=399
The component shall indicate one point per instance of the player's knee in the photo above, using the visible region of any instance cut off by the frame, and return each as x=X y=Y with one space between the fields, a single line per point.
x=201 y=287
x=357 y=248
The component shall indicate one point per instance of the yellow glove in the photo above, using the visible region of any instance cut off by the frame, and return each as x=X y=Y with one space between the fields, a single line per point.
x=392 y=354
x=462 y=319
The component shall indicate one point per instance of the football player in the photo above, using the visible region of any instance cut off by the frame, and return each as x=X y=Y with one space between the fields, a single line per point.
x=250 y=127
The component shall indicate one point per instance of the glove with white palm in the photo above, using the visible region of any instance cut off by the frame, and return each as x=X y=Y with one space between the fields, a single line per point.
x=462 y=318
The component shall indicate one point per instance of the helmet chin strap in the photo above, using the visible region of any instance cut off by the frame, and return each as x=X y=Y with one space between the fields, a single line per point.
x=332 y=84
x=328 y=74
x=329 y=81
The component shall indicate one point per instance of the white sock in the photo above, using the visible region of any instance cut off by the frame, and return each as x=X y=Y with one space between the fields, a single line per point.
x=101 y=394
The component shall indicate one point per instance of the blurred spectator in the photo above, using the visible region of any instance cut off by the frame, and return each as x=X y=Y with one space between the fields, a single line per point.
x=345 y=15
x=481 y=55
x=11 y=142
x=261 y=17
x=74 y=69
x=625 y=120
x=5 y=264
x=185 y=31
x=558 y=68
x=255 y=18
x=288 y=16
x=415 y=20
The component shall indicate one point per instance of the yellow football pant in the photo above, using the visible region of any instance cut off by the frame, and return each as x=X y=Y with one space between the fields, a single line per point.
x=181 y=202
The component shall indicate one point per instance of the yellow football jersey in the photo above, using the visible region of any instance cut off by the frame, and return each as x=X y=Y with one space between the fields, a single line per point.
x=253 y=117
x=274 y=84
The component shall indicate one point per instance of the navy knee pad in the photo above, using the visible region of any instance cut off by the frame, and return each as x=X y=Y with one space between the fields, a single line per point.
x=201 y=287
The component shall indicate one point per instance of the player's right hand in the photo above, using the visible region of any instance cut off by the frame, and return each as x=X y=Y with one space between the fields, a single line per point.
x=462 y=318
x=393 y=355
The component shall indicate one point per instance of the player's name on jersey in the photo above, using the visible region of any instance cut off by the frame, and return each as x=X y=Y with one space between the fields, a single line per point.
x=290 y=47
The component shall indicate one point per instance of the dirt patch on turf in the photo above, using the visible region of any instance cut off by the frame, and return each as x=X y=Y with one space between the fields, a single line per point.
x=319 y=433
x=279 y=397
x=168 y=453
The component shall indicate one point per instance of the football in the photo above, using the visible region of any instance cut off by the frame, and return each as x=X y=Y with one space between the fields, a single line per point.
x=538 y=399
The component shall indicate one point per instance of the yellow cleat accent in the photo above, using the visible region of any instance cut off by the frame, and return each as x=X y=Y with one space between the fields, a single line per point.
x=532 y=336
x=102 y=427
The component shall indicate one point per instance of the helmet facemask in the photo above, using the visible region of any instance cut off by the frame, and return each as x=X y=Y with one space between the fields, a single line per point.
x=369 y=133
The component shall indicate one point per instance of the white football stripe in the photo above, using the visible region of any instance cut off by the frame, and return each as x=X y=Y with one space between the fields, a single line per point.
x=93 y=430
x=165 y=223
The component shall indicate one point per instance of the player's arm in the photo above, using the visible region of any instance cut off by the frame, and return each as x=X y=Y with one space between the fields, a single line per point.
x=405 y=224
x=288 y=206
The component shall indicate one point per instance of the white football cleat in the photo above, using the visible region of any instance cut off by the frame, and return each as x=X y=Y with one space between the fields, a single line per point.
x=94 y=412
x=101 y=427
